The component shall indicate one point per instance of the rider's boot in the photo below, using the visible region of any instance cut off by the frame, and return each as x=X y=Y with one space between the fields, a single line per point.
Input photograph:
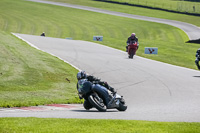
x=126 y=48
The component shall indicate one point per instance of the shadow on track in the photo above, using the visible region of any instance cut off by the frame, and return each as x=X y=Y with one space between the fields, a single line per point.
x=94 y=111
x=196 y=76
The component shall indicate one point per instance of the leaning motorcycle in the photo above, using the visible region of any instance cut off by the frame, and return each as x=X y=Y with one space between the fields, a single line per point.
x=101 y=98
x=132 y=48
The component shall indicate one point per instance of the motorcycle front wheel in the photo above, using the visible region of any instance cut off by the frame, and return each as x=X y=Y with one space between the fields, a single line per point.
x=122 y=107
x=97 y=102
x=131 y=54
x=87 y=105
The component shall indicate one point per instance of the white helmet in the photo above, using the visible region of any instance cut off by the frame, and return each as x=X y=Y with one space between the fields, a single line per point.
x=133 y=34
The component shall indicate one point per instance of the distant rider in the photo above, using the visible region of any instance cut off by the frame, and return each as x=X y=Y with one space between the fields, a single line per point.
x=197 y=58
x=43 y=34
x=132 y=38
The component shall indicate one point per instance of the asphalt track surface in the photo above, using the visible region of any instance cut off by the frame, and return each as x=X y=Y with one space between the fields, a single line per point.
x=153 y=90
x=192 y=31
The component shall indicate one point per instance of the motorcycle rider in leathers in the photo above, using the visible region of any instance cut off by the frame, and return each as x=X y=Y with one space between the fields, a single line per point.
x=197 y=58
x=84 y=80
x=132 y=38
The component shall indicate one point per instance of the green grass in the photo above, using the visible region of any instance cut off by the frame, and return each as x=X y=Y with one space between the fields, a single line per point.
x=52 y=125
x=31 y=77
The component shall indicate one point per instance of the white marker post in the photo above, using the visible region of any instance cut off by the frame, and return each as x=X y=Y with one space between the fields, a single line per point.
x=149 y=50
x=97 y=38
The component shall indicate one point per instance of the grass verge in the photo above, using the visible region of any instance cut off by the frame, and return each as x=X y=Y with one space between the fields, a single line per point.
x=31 y=77
x=53 y=125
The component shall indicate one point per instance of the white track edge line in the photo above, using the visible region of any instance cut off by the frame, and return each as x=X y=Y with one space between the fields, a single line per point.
x=32 y=45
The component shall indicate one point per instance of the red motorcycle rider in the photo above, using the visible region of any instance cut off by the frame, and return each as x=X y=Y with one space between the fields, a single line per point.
x=132 y=38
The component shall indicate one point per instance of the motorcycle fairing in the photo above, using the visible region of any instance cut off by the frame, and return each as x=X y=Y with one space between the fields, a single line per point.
x=101 y=91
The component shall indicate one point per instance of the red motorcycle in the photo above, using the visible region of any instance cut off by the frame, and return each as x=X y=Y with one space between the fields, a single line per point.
x=132 y=48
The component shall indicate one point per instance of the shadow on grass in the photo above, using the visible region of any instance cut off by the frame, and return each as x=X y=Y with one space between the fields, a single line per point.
x=148 y=7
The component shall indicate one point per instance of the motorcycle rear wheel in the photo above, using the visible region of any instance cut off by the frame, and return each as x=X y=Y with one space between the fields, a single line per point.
x=97 y=102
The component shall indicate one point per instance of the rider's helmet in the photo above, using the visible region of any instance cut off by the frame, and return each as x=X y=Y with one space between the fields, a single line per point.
x=81 y=75
x=133 y=35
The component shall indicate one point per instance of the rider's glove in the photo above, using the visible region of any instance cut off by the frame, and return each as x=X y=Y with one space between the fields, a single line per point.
x=105 y=83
